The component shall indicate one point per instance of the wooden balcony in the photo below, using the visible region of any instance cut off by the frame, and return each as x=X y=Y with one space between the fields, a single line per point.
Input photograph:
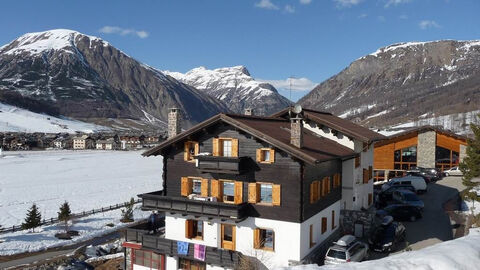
x=158 y=244
x=229 y=165
x=182 y=205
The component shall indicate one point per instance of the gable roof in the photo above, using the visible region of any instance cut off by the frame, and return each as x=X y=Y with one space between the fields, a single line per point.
x=336 y=123
x=416 y=130
x=275 y=131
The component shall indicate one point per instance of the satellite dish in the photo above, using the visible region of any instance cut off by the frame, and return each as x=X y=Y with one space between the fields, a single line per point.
x=297 y=109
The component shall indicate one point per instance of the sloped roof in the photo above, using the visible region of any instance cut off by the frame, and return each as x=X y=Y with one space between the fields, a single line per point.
x=273 y=130
x=416 y=130
x=339 y=124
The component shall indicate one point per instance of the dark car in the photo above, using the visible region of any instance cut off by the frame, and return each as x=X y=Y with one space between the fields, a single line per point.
x=429 y=174
x=387 y=236
x=427 y=177
x=383 y=197
x=402 y=212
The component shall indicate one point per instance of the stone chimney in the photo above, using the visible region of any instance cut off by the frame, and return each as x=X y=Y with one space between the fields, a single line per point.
x=173 y=122
x=296 y=135
x=248 y=111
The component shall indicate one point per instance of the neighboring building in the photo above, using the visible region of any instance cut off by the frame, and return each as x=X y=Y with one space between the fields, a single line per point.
x=131 y=142
x=245 y=189
x=151 y=141
x=82 y=142
x=427 y=146
x=59 y=143
x=108 y=144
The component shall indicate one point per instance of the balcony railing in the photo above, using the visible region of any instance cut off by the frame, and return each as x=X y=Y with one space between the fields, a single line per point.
x=157 y=201
x=213 y=164
x=215 y=256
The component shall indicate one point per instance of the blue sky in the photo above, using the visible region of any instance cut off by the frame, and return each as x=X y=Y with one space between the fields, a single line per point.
x=274 y=39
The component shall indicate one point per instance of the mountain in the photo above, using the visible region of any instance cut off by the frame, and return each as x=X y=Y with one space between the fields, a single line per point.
x=405 y=83
x=236 y=88
x=64 y=72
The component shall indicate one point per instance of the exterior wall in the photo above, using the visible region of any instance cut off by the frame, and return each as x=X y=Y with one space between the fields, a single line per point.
x=426 y=149
x=361 y=190
x=79 y=144
x=171 y=263
x=348 y=168
x=327 y=133
x=384 y=151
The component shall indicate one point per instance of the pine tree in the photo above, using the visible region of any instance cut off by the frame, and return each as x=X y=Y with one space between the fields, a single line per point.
x=65 y=214
x=127 y=213
x=470 y=166
x=33 y=218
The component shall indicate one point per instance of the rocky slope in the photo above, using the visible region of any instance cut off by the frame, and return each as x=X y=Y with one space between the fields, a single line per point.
x=63 y=72
x=405 y=83
x=235 y=87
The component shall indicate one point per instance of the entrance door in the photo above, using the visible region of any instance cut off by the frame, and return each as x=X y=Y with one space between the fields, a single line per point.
x=228 y=236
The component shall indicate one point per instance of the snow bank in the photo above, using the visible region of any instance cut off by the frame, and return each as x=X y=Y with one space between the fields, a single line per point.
x=471 y=207
x=462 y=253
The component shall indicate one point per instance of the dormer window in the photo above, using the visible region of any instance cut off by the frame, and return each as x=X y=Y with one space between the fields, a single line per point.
x=191 y=149
x=265 y=155
x=227 y=148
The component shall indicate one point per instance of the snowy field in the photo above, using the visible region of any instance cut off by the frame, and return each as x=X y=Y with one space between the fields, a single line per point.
x=462 y=254
x=86 y=179
x=44 y=237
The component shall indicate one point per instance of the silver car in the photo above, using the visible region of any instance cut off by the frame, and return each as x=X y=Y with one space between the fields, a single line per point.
x=346 y=249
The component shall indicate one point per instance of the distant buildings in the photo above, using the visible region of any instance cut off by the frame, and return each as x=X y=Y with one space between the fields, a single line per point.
x=82 y=142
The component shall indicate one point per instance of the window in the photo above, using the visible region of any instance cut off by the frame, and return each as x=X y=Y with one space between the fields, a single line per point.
x=264 y=193
x=186 y=264
x=226 y=147
x=314 y=191
x=405 y=158
x=228 y=191
x=264 y=239
x=325 y=186
x=228 y=236
x=194 y=229
x=312 y=243
x=190 y=151
x=265 y=155
x=357 y=161
x=148 y=259
x=324 y=225
x=365 y=176
x=194 y=185
x=333 y=220
x=197 y=186
x=445 y=158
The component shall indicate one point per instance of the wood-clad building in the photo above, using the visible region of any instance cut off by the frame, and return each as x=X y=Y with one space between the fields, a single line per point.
x=427 y=146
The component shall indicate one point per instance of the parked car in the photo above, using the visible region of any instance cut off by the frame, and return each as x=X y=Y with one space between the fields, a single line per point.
x=401 y=212
x=455 y=171
x=417 y=182
x=383 y=197
x=388 y=235
x=407 y=197
x=427 y=177
x=346 y=249
x=431 y=174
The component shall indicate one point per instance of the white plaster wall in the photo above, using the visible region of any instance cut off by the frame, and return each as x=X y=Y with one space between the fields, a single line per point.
x=317 y=228
x=171 y=263
x=175 y=230
x=140 y=267
x=327 y=133
x=348 y=167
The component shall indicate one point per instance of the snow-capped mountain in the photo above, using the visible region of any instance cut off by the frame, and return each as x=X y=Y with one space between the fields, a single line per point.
x=64 y=72
x=235 y=87
x=405 y=83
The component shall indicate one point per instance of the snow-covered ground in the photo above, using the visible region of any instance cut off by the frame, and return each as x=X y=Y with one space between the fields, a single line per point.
x=44 y=237
x=86 y=179
x=13 y=119
x=471 y=207
x=462 y=253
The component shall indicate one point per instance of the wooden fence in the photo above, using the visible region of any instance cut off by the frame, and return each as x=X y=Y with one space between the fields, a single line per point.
x=74 y=215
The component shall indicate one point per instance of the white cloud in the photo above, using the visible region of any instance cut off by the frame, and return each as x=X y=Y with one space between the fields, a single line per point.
x=266 y=4
x=362 y=16
x=123 y=31
x=381 y=18
x=347 y=3
x=403 y=17
x=396 y=2
x=305 y=2
x=425 y=24
x=289 y=9
x=298 y=84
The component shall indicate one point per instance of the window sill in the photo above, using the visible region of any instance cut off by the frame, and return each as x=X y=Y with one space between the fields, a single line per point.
x=264 y=204
x=266 y=249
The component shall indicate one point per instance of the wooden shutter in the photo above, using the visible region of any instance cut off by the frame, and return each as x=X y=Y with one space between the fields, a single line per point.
x=185 y=188
x=252 y=193
x=272 y=155
x=333 y=219
x=259 y=155
x=324 y=225
x=365 y=176
x=234 y=147
x=215 y=189
x=204 y=187
x=276 y=195
x=185 y=151
x=311 y=236
x=238 y=191
x=256 y=238
x=216 y=147
x=188 y=228
x=357 y=161
x=312 y=192
x=328 y=184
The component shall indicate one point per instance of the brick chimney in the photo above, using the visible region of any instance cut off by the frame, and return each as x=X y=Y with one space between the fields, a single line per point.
x=173 y=122
x=296 y=135
x=248 y=111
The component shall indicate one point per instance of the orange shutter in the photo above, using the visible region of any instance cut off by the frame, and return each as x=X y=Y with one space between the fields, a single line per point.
x=365 y=176
x=188 y=228
x=256 y=238
x=238 y=192
x=185 y=151
x=259 y=155
x=328 y=185
x=357 y=161
x=252 y=192
x=215 y=189
x=272 y=155
x=185 y=190
x=276 y=195
x=197 y=148
x=204 y=187
x=234 y=147
x=312 y=192
x=216 y=147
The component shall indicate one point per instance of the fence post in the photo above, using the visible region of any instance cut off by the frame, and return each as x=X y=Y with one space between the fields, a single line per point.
x=13 y=228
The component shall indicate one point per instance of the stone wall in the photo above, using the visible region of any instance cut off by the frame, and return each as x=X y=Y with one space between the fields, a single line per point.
x=463 y=152
x=426 y=149
x=348 y=219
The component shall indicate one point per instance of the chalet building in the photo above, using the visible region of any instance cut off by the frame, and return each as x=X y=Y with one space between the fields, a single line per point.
x=427 y=146
x=108 y=144
x=82 y=142
x=243 y=189
x=59 y=143
x=131 y=142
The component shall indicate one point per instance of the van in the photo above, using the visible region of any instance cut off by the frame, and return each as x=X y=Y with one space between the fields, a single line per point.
x=417 y=182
